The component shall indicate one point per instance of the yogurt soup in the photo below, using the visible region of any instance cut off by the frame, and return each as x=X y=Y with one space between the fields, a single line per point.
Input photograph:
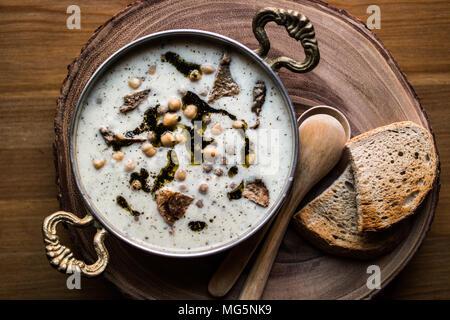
x=184 y=146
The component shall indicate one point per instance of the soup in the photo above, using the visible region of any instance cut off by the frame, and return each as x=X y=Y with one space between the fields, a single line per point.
x=184 y=146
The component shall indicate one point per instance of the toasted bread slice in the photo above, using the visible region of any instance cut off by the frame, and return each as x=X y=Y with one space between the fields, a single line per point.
x=394 y=167
x=331 y=223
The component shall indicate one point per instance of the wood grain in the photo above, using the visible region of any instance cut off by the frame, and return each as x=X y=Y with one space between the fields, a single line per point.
x=37 y=47
x=365 y=84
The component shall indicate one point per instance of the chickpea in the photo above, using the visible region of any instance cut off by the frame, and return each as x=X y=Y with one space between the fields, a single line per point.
x=180 y=175
x=218 y=172
x=207 y=167
x=181 y=138
x=210 y=152
x=99 y=163
x=183 y=188
x=199 y=203
x=195 y=75
x=167 y=139
x=152 y=69
x=162 y=109
x=148 y=149
x=170 y=119
x=136 y=185
x=207 y=69
x=190 y=112
x=118 y=156
x=238 y=124
x=216 y=129
x=174 y=104
x=203 y=188
x=130 y=165
x=134 y=83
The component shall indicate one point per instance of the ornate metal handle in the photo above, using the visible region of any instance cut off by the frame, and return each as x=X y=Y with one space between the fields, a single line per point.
x=299 y=27
x=62 y=257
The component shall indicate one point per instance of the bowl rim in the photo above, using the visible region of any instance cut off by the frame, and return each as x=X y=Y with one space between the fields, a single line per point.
x=163 y=35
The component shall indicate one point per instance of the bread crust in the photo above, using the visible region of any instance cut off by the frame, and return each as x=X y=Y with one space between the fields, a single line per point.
x=320 y=239
x=330 y=222
x=419 y=181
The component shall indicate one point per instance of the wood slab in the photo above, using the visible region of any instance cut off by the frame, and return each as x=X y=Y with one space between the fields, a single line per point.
x=356 y=74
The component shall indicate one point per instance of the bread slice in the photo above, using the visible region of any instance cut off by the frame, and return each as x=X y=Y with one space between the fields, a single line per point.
x=394 y=167
x=331 y=223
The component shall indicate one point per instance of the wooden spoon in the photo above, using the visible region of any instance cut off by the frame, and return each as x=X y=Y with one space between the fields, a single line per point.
x=323 y=133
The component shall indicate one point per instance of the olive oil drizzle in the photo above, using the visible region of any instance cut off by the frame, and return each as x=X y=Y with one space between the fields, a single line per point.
x=124 y=204
x=166 y=174
x=246 y=163
x=248 y=145
x=142 y=177
x=192 y=146
x=233 y=171
x=180 y=64
x=197 y=226
x=151 y=118
x=150 y=123
x=237 y=192
x=118 y=144
x=204 y=109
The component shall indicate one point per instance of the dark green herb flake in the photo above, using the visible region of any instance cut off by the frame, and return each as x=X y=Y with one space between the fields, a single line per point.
x=197 y=225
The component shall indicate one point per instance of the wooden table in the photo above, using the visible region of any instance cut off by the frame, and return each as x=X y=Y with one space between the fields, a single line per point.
x=36 y=47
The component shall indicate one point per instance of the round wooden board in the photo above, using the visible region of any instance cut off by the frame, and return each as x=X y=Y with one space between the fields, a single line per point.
x=356 y=74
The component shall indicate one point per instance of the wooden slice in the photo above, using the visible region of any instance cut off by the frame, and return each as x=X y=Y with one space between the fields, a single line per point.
x=356 y=74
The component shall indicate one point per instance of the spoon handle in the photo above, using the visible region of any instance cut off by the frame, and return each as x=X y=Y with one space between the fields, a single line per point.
x=256 y=280
x=234 y=263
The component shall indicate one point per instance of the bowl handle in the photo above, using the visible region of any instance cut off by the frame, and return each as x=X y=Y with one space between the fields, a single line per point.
x=298 y=27
x=62 y=257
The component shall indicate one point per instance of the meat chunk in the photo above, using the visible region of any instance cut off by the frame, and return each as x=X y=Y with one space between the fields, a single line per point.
x=131 y=101
x=257 y=192
x=224 y=85
x=118 y=141
x=259 y=96
x=172 y=205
